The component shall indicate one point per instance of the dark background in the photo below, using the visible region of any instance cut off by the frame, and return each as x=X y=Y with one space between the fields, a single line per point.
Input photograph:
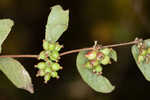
x=108 y=21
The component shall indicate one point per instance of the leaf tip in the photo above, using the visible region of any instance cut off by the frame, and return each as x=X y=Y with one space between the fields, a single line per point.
x=29 y=88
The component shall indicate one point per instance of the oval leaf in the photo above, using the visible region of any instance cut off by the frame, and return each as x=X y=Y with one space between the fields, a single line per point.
x=16 y=73
x=57 y=23
x=5 y=28
x=98 y=83
x=144 y=67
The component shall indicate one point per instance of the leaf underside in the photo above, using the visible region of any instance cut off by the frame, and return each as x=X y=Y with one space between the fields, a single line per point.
x=144 y=67
x=5 y=28
x=16 y=73
x=57 y=23
x=98 y=83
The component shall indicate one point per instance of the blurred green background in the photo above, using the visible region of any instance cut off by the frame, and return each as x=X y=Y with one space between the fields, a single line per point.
x=108 y=21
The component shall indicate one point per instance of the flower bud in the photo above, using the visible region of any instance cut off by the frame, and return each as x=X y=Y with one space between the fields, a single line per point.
x=144 y=53
x=54 y=75
x=42 y=55
x=56 y=67
x=105 y=51
x=54 y=55
x=58 y=47
x=140 y=45
x=105 y=60
x=97 y=69
x=100 y=55
x=47 y=78
x=88 y=65
x=45 y=45
x=94 y=62
x=148 y=50
x=140 y=58
x=51 y=46
x=91 y=55
x=41 y=65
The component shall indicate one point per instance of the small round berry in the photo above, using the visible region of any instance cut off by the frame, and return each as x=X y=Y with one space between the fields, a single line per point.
x=144 y=52
x=47 y=78
x=45 y=45
x=94 y=62
x=105 y=61
x=56 y=67
x=100 y=55
x=88 y=65
x=91 y=55
x=140 y=45
x=97 y=69
x=54 y=75
x=141 y=58
x=42 y=55
x=54 y=55
x=41 y=65
x=148 y=50
x=105 y=51
x=58 y=47
x=51 y=46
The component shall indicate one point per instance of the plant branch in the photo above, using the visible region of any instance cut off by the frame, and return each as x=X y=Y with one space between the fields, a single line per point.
x=76 y=50
x=100 y=47
x=19 y=56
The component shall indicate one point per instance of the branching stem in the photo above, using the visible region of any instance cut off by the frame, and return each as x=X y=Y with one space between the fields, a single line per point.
x=75 y=51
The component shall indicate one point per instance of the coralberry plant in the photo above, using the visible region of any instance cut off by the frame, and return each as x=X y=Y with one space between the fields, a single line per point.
x=90 y=61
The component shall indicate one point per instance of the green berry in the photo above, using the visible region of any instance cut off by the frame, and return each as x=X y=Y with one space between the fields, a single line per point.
x=105 y=61
x=42 y=55
x=54 y=55
x=100 y=55
x=94 y=62
x=47 y=78
x=97 y=69
x=54 y=75
x=41 y=65
x=140 y=58
x=148 y=50
x=48 y=70
x=91 y=55
x=45 y=45
x=144 y=52
x=88 y=65
x=56 y=67
x=105 y=51
x=51 y=46
x=58 y=47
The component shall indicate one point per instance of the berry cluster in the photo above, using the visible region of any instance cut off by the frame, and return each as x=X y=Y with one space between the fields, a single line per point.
x=97 y=58
x=49 y=67
x=144 y=53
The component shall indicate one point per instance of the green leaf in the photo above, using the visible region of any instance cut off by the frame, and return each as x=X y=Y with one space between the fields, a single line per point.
x=57 y=23
x=98 y=83
x=143 y=66
x=113 y=55
x=5 y=28
x=16 y=73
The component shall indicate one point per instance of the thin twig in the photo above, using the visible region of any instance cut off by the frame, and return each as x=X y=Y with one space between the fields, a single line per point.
x=74 y=51
x=19 y=56
x=107 y=46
